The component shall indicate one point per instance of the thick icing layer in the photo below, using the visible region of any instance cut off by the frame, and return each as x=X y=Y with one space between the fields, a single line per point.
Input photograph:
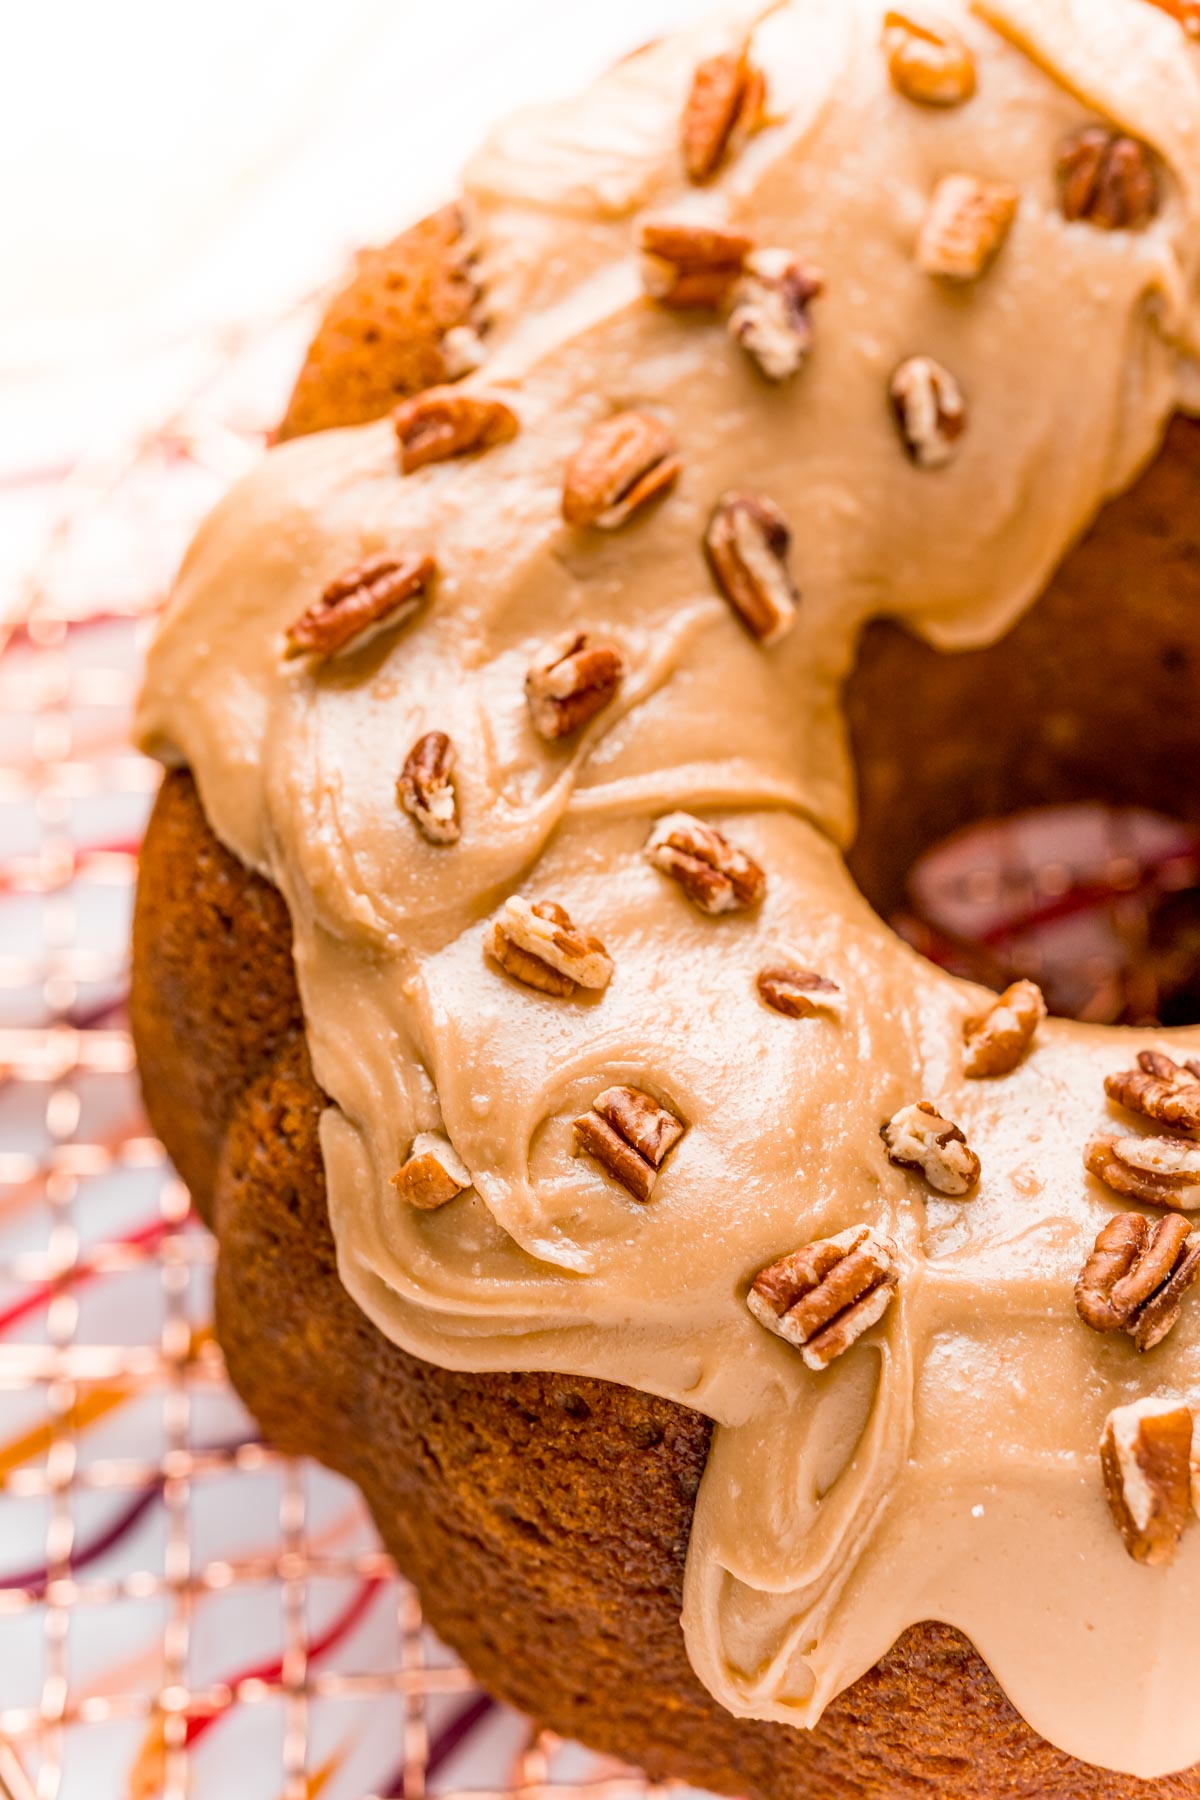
x=947 y=1466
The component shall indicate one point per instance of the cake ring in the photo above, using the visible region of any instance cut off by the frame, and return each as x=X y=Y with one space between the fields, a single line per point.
x=772 y=1358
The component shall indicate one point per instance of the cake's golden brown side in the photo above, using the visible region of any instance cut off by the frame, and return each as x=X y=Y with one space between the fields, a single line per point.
x=545 y=1519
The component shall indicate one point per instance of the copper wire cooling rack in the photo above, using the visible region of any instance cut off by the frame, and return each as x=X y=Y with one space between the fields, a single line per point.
x=183 y=1612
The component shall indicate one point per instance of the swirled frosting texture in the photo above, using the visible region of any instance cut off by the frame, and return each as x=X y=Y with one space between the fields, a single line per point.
x=947 y=1466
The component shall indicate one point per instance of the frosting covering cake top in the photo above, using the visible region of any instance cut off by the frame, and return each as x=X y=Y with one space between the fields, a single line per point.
x=945 y=1465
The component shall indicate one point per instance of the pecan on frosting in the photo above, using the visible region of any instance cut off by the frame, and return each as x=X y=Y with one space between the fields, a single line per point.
x=572 y=681
x=917 y=1137
x=798 y=993
x=630 y=1135
x=715 y=875
x=929 y=409
x=446 y=422
x=426 y=789
x=623 y=463
x=690 y=264
x=539 y=944
x=770 y=317
x=747 y=545
x=1138 y=1276
x=1146 y=1457
x=824 y=1297
x=726 y=104
x=1160 y=1089
x=965 y=227
x=433 y=1174
x=1159 y=1171
x=932 y=67
x=995 y=1041
x=383 y=592
x=1107 y=179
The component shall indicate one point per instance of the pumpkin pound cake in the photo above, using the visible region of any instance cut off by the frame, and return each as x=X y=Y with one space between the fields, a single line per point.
x=774 y=1359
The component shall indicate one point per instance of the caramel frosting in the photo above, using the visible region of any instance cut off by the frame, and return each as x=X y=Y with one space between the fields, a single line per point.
x=947 y=1465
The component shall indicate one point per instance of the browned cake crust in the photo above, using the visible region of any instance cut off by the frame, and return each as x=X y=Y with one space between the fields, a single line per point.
x=544 y=1519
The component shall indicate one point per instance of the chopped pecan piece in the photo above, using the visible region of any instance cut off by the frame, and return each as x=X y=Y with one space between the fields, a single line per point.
x=930 y=411
x=799 y=993
x=770 y=317
x=1159 y=1171
x=1107 y=179
x=623 y=463
x=931 y=67
x=1137 y=1276
x=574 y=679
x=997 y=1040
x=965 y=226
x=917 y=1137
x=689 y=264
x=434 y=1174
x=715 y=875
x=824 y=1297
x=1146 y=1454
x=540 y=944
x=747 y=545
x=425 y=789
x=360 y=603
x=726 y=104
x=444 y=421
x=1160 y=1089
x=463 y=351
x=630 y=1135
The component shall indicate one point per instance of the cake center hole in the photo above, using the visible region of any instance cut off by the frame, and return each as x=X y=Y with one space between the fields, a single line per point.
x=1099 y=905
x=1032 y=806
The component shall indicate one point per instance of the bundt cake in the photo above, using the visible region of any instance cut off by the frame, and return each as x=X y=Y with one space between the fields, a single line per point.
x=773 y=1359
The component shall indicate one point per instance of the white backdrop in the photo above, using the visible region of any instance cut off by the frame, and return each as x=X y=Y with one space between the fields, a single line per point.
x=163 y=166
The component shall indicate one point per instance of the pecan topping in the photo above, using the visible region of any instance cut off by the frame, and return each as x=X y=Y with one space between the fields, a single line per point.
x=1137 y=1276
x=463 y=351
x=917 y=1137
x=823 y=1298
x=425 y=789
x=930 y=411
x=1107 y=179
x=434 y=1173
x=444 y=422
x=1160 y=1089
x=770 y=317
x=1186 y=11
x=726 y=105
x=574 y=679
x=540 y=944
x=360 y=602
x=713 y=873
x=747 y=545
x=997 y=1040
x=965 y=226
x=930 y=67
x=630 y=1135
x=1146 y=1455
x=622 y=463
x=687 y=263
x=799 y=993
x=1160 y=1171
